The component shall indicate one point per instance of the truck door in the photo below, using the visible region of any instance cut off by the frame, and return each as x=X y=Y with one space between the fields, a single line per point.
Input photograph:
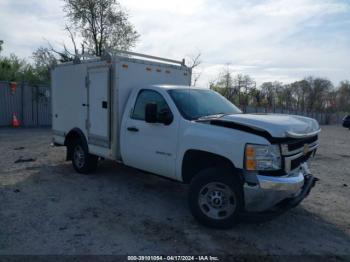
x=98 y=124
x=149 y=146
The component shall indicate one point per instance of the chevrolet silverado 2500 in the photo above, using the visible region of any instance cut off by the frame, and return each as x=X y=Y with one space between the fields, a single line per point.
x=140 y=110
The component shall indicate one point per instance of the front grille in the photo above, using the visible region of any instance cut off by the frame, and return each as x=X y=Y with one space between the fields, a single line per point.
x=297 y=162
x=300 y=143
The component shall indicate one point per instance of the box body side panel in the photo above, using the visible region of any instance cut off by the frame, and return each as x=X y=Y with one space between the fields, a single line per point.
x=70 y=104
x=69 y=93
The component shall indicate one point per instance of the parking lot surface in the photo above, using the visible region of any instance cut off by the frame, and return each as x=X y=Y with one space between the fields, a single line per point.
x=47 y=208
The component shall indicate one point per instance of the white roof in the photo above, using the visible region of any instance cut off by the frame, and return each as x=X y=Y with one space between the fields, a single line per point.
x=179 y=87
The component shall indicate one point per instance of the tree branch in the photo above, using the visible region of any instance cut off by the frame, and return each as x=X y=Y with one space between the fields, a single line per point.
x=73 y=40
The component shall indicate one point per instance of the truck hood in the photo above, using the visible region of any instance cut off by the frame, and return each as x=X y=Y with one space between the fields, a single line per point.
x=277 y=125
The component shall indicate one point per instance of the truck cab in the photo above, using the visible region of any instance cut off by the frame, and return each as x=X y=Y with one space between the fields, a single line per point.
x=235 y=163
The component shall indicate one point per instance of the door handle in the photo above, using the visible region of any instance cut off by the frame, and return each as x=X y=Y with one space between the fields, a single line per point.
x=133 y=129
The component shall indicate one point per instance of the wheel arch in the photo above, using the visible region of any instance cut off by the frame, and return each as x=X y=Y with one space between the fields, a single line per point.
x=197 y=160
x=72 y=136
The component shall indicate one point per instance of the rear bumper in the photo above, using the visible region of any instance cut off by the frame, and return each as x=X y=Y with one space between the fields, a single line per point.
x=262 y=193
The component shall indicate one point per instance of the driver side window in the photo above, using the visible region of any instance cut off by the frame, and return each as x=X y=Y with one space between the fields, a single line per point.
x=146 y=97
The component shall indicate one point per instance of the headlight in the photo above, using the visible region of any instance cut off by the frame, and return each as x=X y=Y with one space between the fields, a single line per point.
x=262 y=158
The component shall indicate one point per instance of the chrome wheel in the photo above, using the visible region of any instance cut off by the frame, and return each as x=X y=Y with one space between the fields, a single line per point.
x=217 y=200
x=79 y=156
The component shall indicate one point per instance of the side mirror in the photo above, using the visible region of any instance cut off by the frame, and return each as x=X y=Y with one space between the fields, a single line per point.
x=165 y=117
x=151 y=113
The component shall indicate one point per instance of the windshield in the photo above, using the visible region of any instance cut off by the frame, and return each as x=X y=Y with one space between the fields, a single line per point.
x=196 y=103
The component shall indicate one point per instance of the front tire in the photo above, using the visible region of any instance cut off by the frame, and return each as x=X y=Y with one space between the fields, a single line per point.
x=216 y=198
x=82 y=161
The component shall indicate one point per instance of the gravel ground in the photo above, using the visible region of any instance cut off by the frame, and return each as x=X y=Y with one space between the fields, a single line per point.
x=46 y=208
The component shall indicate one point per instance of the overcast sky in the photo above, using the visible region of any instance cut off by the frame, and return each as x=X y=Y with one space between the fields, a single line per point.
x=282 y=40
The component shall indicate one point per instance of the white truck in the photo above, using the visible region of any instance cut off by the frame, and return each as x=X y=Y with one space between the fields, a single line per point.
x=141 y=111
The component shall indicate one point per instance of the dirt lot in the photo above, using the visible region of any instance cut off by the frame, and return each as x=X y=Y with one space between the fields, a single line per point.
x=46 y=208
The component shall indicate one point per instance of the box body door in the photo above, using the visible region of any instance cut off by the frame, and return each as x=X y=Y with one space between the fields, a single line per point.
x=99 y=106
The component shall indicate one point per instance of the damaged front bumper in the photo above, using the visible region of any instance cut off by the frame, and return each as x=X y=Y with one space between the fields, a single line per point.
x=267 y=193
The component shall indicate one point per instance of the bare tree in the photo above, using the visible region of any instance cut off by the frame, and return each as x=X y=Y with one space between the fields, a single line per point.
x=63 y=55
x=72 y=37
x=225 y=83
x=300 y=89
x=103 y=25
x=44 y=60
x=1 y=42
x=100 y=25
x=267 y=90
x=43 y=57
x=242 y=85
x=193 y=62
x=343 y=96
x=254 y=97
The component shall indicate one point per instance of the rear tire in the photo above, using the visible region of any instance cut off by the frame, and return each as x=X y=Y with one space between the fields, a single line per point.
x=216 y=198
x=82 y=161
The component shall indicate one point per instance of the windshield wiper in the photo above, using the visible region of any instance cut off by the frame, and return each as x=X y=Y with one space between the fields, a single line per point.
x=219 y=115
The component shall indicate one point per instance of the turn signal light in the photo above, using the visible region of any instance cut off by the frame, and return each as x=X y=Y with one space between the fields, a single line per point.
x=249 y=151
x=250 y=164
